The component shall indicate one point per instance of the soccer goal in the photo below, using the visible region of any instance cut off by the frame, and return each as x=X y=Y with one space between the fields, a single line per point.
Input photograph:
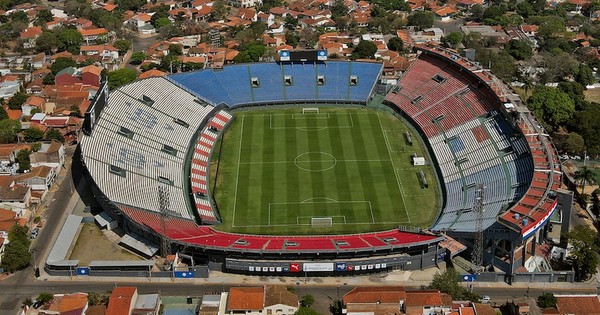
x=321 y=222
x=310 y=110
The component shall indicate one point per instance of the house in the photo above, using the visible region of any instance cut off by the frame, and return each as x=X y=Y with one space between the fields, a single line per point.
x=32 y=102
x=275 y=300
x=13 y=196
x=94 y=35
x=529 y=30
x=141 y=23
x=30 y=35
x=126 y=301
x=38 y=60
x=374 y=300
x=88 y=75
x=9 y=87
x=445 y=14
x=71 y=304
x=105 y=51
x=51 y=154
x=8 y=152
x=577 y=304
x=152 y=73
x=8 y=219
x=245 y=3
x=427 y=302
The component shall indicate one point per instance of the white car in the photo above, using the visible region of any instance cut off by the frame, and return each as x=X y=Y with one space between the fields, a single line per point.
x=486 y=299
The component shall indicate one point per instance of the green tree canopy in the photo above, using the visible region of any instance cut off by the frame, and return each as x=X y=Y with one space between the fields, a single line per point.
x=421 y=20
x=307 y=300
x=519 y=49
x=452 y=40
x=54 y=134
x=585 y=75
x=551 y=105
x=162 y=22
x=33 y=134
x=47 y=42
x=574 y=144
x=16 y=255
x=137 y=57
x=3 y=113
x=120 y=77
x=364 y=49
x=396 y=44
x=49 y=79
x=8 y=130
x=23 y=159
x=45 y=297
x=62 y=63
x=252 y=53
x=546 y=300
x=585 y=251
x=306 y=311
x=17 y=100
x=70 y=39
x=122 y=45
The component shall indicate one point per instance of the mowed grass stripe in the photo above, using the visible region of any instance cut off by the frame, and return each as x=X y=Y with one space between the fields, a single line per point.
x=243 y=188
x=362 y=174
x=268 y=170
x=388 y=191
x=341 y=145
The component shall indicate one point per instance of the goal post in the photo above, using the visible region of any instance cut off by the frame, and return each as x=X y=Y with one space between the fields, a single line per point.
x=321 y=222
x=311 y=110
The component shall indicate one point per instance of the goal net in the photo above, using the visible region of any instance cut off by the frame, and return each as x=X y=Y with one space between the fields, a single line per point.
x=310 y=110
x=321 y=222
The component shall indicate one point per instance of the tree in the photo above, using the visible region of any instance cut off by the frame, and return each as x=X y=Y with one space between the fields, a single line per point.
x=17 y=100
x=546 y=300
x=551 y=26
x=219 y=10
x=307 y=301
x=421 y=20
x=585 y=76
x=574 y=144
x=251 y=53
x=550 y=104
x=306 y=311
x=525 y=9
x=122 y=45
x=338 y=9
x=33 y=134
x=364 y=49
x=120 y=77
x=45 y=297
x=584 y=252
x=175 y=50
x=447 y=282
x=396 y=44
x=49 y=79
x=47 y=42
x=95 y=299
x=583 y=176
x=23 y=159
x=133 y=5
x=519 y=49
x=16 y=255
x=54 y=134
x=452 y=40
x=3 y=113
x=336 y=307
x=43 y=16
x=162 y=22
x=62 y=63
x=71 y=40
x=8 y=130
x=137 y=57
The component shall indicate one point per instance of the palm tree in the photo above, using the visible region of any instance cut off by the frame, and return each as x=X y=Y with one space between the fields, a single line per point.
x=582 y=176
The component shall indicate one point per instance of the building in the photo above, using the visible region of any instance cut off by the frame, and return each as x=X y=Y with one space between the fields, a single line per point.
x=275 y=300
x=577 y=304
x=245 y=3
x=88 y=75
x=50 y=154
x=13 y=196
x=94 y=35
x=64 y=304
x=126 y=301
x=30 y=35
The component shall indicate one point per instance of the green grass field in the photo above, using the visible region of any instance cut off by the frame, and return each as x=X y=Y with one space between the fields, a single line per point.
x=279 y=169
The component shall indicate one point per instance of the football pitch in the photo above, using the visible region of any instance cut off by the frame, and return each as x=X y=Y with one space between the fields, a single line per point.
x=336 y=171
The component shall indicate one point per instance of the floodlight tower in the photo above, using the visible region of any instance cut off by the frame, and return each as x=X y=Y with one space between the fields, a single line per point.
x=163 y=202
x=477 y=253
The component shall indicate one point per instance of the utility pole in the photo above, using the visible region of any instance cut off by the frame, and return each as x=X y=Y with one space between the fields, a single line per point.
x=163 y=201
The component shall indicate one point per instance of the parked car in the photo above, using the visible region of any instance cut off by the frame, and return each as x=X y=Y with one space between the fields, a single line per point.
x=486 y=299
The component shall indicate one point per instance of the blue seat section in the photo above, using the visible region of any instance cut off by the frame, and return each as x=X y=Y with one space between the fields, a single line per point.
x=232 y=85
x=235 y=81
x=270 y=78
x=337 y=77
x=304 y=82
x=456 y=145
x=203 y=84
x=367 y=73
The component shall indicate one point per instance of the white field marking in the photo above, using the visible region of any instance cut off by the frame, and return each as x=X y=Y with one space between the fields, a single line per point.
x=394 y=167
x=237 y=178
x=326 y=200
x=284 y=162
x=308 y=128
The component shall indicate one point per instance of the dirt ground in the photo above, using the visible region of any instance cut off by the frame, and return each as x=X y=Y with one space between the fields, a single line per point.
x=592 y=95
x=92 y=244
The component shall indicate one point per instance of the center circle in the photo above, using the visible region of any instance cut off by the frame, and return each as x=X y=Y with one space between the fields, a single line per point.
x=315 y=161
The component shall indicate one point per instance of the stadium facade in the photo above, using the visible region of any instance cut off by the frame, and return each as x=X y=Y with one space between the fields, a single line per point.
x=147 y=149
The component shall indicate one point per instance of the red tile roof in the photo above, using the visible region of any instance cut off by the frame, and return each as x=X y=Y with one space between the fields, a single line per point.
x=578 y=304
x=247 y=298
x=119 y=302
x=375 y=294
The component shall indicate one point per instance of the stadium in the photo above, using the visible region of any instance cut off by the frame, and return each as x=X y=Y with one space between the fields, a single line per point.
x=152 y=151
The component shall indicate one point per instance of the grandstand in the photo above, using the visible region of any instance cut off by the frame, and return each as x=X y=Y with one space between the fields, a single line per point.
x=157 y=135
x=276 y=83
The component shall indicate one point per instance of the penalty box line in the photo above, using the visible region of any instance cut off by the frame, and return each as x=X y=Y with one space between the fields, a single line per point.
x=322 y=202
x=309 y=128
